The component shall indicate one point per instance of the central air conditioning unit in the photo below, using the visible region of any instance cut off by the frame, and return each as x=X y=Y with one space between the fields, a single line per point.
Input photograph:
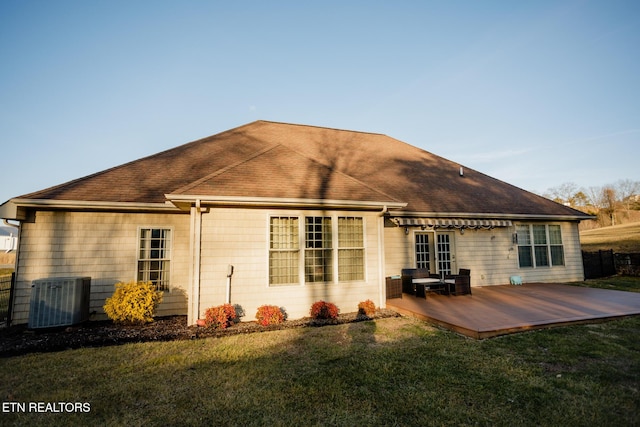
x=59 y=301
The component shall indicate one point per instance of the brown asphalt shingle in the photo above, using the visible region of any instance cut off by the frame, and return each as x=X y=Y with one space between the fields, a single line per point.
x=278 y=160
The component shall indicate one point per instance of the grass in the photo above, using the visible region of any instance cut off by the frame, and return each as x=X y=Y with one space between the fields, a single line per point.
x=621 y=238
x=396 y=371
x=619 y=283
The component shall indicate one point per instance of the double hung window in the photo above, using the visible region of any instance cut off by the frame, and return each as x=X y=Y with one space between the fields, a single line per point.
x=318 y=254
x=539 y=245
x=330 y=247
x=350 y=249
x=284 y=250
x=154 y=257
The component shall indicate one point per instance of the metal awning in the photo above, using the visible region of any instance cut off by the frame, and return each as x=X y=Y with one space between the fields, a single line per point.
x=450 y=222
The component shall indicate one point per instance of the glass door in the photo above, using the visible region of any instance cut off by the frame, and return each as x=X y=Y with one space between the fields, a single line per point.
x=435 y=252
x=446 y=254
x=422 y=251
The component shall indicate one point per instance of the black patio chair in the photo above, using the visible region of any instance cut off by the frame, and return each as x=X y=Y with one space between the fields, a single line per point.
x=461 y=282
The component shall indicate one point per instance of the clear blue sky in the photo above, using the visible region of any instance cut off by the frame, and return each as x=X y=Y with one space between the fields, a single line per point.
x=536 y=93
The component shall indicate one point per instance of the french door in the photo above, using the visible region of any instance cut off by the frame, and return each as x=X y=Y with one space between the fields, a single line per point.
x=444 y=253
x=435 y=252
x=423 y=252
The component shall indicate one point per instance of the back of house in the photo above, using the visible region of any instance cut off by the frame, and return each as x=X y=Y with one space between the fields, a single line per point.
x=301 y=213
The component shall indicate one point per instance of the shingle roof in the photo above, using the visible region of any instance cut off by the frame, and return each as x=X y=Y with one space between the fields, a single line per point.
x=278 y=160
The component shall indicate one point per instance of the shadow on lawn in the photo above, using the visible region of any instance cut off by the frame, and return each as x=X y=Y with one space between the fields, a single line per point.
x=19 y=340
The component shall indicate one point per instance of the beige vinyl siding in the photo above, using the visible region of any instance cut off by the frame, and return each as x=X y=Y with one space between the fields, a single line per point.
x=491 y=255
x=240 y=237
x=103 y=246
x=399 y=252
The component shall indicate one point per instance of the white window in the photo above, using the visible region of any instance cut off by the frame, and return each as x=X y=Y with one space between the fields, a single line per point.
x=284 y=251
x=350 y=249
x=318 y=254
x=539 y=245
x=154 y=257
x=324 y=257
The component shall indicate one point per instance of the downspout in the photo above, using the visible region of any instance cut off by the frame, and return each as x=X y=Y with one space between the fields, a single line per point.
x=382 y=291
x=194 y=313
x=15 y=270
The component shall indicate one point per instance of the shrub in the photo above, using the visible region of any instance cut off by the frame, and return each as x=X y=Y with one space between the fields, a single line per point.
x=220 y=317
x=324 y=310
x=269 y=315
x=368 y=308
x=133 y=303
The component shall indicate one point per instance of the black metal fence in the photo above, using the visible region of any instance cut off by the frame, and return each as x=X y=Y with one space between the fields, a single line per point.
x=607 y=263
x=628 y=264
x=6 y=287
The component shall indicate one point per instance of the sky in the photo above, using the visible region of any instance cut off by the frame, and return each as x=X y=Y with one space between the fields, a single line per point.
x=535 y=93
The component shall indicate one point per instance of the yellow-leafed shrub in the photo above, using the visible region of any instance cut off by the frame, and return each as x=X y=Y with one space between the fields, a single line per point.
x=133 y=303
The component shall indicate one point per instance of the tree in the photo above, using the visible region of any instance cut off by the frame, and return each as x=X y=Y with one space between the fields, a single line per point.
x=581 y=199
x=595 y=197
x=564 y=193
x=625 y=189
x=610 y=200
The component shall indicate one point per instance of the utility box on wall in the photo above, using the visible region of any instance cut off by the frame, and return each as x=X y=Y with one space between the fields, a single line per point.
x=59 y=301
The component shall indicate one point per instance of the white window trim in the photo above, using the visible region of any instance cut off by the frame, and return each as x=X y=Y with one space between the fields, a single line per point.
x=171 y=262
x=302 y=246
x=547 y=244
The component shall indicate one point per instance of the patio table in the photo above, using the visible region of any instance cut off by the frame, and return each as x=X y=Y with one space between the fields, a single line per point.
x=431 y=284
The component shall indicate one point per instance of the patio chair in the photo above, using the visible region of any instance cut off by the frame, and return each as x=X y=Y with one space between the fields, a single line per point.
x=460 y=284
x=406 y=276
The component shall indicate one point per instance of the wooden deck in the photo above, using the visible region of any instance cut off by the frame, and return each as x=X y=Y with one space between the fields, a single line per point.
x=500 y=310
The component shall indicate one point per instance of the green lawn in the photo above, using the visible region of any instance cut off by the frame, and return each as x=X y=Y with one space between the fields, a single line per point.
x=395 y=371
x=621 y=238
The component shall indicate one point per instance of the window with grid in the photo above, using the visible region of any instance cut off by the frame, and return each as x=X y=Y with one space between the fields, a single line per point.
x=423 y=257
x=525 y=251
x=350 y=249
x=154 y=257
x=555 y=245
x=539 y=245
x=284 y=251
x=318 y=255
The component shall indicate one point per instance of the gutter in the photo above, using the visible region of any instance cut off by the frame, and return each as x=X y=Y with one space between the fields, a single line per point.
x=91 y=205
x=466 y=215
x=183 y=201
x=16 y=209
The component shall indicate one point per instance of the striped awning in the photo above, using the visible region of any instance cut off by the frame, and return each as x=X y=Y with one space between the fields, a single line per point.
x=450 y=222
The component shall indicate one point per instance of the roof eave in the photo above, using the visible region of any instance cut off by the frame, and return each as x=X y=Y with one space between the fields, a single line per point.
x=16 y=208
x=186 y=201
x=521 y=217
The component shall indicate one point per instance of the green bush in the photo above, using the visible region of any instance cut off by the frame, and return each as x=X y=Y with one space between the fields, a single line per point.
x=220 y=317
x=324 y=310
x=133 y=303
x=269 y=315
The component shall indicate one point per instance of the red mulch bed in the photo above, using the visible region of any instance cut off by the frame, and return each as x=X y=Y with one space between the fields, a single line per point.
x=19 y=340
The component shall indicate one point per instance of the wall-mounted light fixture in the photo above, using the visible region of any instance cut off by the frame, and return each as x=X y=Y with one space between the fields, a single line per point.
x=406 y=231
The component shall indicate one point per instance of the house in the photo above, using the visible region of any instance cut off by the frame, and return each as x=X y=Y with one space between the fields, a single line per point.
x=8 y=239
x=302 y=213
